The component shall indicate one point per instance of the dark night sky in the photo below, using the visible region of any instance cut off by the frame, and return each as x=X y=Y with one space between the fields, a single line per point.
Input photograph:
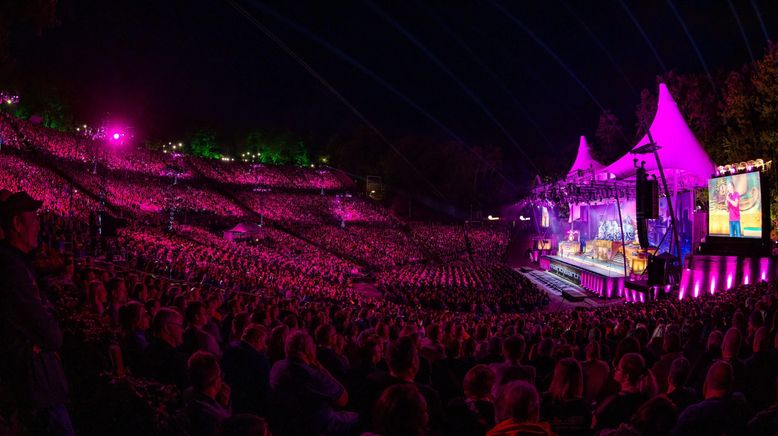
x=172 y=66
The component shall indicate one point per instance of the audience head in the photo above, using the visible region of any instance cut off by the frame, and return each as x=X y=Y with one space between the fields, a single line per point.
x=633 y=375
x=567 y=382
x=19 y=221
x=196 y=314
x=403 y=358
x=256 y=336
x=168 y=325
x=679 y=372
x=478 y=382
x=513 y=348
x=400 y=410
x=205 y=373
x=518 y=400
x=671 y=343
x=299 y=345
x=593 y=351
x=761 y=340
x=325 y=335
x=718 y=382
x=730 y=348
x=656 y=417
x=715 y=338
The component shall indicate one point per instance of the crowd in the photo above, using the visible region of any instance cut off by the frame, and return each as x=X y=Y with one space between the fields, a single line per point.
x=444 y=242
x=378 y=247
x=254 y=174
x=183 y=332
x=57 y=194
x=469 y=287
x=226 y=348
x=488 y=244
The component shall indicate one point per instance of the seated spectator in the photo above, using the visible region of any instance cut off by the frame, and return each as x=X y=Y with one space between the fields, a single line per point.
x=543 y=363
x=677 y=391
x=473 y=414
x=636 y=386
x=247 y=371
x=208 y=406
x=134 y=321
x=403 y=361
x=195 y=338
x=517 y=410
x=400 y=410
x=116 y=292
x=595 y=372
x=759 y=368
x=335 y=363
x=730 y=353
x=705 y=360
x=304 y=396
x=162 y=361
x=511 y=368
x=563 y=405
x=671 y=350
x=656 y=417
x=721 y=412
x=32 y=379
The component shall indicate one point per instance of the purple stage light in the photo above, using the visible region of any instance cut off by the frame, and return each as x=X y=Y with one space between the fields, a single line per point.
x=116 y=136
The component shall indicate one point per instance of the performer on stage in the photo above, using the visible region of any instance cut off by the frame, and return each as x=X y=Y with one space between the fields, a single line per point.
x=733 y=207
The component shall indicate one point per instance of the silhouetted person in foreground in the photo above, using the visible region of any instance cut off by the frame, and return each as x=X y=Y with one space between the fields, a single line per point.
x=32 y=381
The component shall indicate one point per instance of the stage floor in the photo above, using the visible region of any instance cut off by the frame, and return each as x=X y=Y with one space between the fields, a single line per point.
x=553 y=285
x=608 y=269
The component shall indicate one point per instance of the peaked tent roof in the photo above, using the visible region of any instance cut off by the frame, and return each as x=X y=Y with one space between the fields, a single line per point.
x=680 y=149
x=584 y=160
x=244 y=228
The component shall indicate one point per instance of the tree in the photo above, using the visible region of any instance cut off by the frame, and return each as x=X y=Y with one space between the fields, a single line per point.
x=750 y=114
x=610 y=137
x=644 y=112
x=698 y=103
x=203 y=144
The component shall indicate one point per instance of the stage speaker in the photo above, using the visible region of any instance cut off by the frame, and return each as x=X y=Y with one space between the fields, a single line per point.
x=641 y=194
x=662 y=269
x=646 y=198
x=643 y=232
x=651 y=199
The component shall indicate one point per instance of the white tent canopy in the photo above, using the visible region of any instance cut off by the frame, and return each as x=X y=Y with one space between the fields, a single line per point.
x=680 y=151
x=584 y=160
x=242 y=230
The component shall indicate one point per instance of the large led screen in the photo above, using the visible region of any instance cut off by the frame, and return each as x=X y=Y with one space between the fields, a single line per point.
x=735 y=206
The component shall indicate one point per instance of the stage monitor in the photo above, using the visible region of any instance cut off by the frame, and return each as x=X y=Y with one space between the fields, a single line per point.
x=735 y=206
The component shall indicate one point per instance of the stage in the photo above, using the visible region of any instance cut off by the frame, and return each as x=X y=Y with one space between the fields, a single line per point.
x=603 y=279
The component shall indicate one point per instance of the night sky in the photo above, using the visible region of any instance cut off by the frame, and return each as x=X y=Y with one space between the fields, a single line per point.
x=543 y=70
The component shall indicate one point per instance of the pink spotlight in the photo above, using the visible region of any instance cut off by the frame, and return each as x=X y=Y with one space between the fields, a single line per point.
x=116 y=136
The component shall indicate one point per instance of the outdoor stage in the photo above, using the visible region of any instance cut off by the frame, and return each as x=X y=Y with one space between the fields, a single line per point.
x=604 y=279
